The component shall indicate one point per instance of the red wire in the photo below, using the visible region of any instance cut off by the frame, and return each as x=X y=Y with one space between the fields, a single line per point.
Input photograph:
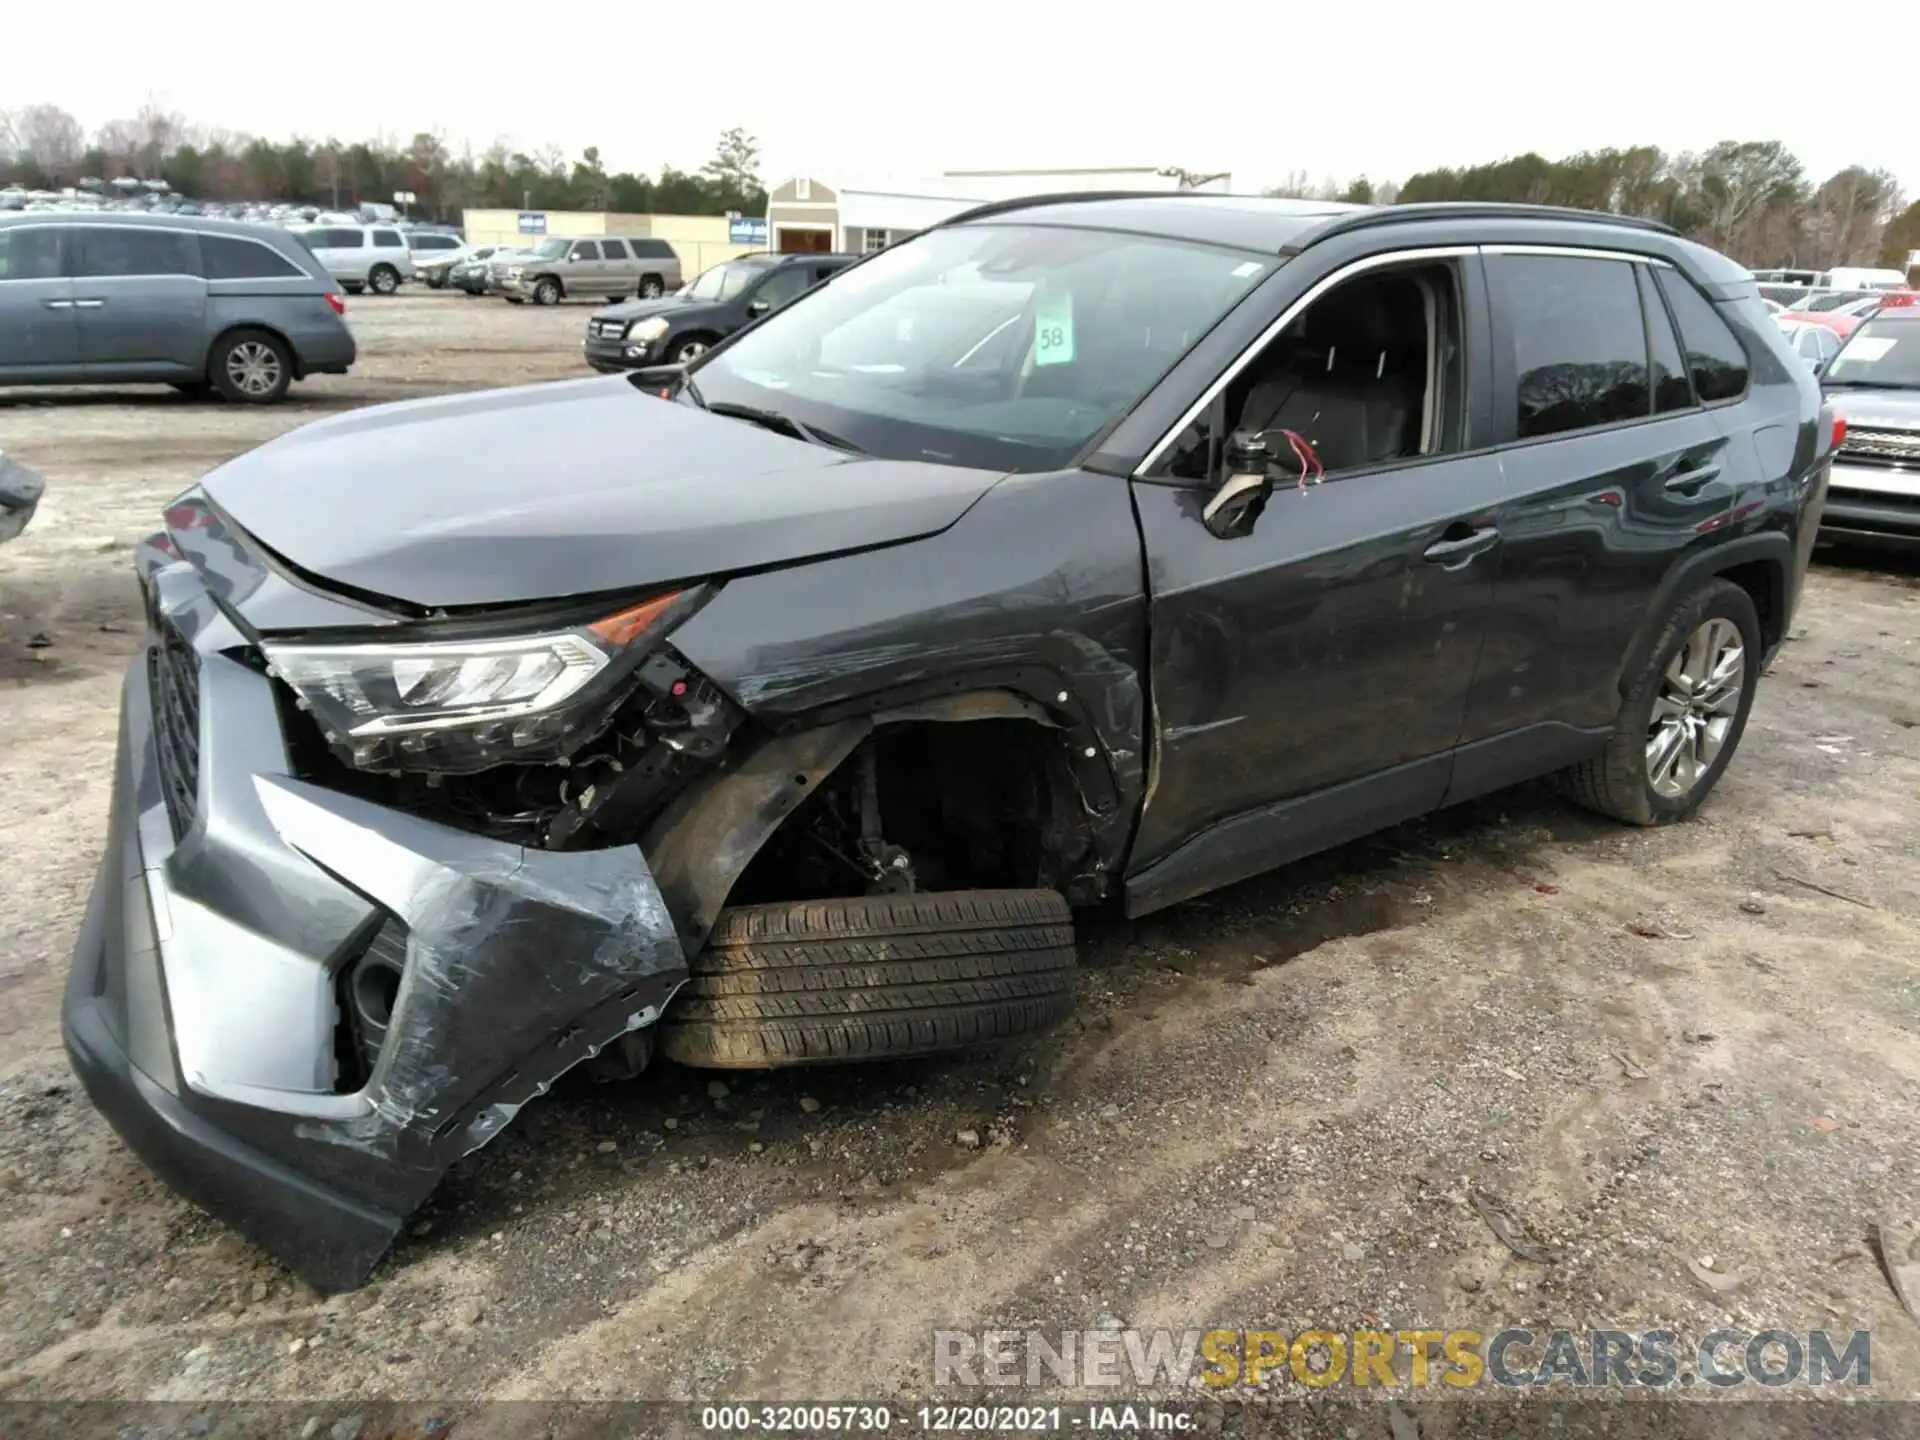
x=1304 y=453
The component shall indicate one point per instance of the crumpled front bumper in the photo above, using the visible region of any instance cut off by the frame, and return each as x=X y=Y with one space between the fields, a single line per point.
x=203 y=1013
x=20 y=491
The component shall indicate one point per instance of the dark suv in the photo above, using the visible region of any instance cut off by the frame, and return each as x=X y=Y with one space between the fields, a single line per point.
x=681 y=327
x=775 y=711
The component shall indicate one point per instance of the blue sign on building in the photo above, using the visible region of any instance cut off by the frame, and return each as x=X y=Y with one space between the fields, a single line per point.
x=745 y=230
x=533 y=222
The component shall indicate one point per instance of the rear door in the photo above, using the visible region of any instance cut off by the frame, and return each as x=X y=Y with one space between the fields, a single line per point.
x=139 y=300
x=617 y=276
x=1614 y=466
x=37 y=330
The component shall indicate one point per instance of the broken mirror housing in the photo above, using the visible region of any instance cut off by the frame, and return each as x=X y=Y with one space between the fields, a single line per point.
x=459 y=705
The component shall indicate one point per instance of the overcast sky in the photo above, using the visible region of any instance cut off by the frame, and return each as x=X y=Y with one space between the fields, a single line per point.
x=852 y=90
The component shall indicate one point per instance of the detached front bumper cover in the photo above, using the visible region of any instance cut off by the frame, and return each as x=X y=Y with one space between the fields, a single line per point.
x=20 y=491
x=202 y=1010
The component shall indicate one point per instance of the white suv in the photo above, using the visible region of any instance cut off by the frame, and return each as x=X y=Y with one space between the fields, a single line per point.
x=360 y=257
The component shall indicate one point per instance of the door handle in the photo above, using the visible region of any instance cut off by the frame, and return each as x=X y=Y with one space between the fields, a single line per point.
x=1691 y=478
x=1459 y=545
x=88 y=304
x=58 y=304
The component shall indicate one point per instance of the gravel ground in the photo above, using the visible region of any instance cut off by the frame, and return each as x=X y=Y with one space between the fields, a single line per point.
x=1654 y=1047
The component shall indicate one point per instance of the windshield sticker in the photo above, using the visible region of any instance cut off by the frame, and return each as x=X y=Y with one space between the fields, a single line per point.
x=1252 y=267
x=1865 y=350
x=1053 y=330
x=767 y=378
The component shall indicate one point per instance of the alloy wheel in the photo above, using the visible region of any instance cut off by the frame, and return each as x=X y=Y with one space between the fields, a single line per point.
x=1694 y=711
x=254 y=368
x=692 y=350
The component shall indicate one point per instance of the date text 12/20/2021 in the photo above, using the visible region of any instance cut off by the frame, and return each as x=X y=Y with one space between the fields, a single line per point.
x=938 y=1419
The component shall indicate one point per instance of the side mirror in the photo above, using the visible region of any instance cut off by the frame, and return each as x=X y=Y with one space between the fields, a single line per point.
x=1244 y=489
x=759 y=306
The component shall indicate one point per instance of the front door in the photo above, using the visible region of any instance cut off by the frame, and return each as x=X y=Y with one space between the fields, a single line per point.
x=138 y=299
x=37 y=332
x=586 y=272
x=1310 y=677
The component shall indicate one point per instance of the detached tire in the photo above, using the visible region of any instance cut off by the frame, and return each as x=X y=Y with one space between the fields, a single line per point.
x=1684 y=713
x=881 y=977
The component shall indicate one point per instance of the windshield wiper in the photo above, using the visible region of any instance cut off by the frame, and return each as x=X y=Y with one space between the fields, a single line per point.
x=785 y=424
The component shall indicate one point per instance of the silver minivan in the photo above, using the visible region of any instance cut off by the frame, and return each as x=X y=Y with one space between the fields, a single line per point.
x=187 y=301
x=360 y=257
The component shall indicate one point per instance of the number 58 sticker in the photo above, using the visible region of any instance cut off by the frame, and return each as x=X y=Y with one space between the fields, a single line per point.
x=1053 y=331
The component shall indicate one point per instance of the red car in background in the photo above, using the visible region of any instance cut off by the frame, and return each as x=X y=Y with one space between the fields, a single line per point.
x=1841 y=311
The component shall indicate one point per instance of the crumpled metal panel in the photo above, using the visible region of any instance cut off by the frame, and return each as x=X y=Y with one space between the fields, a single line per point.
x=506 y=948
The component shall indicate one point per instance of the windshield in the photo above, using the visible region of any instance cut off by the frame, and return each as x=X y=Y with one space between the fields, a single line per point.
x=722 y=282
x=550 y=249
x=1881 y=353
x=999 y=346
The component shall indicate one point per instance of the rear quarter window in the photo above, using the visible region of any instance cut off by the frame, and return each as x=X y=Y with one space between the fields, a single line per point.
x=1715 y=357
x=228 y=257
x=653 y=249
x=388 y=240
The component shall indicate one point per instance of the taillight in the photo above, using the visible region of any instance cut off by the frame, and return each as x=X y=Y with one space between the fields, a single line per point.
x=1839 y=429
x=339 y=305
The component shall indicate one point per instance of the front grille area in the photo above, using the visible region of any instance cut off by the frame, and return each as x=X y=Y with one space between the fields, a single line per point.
x=610 y=329
x=173 y=671
x=1889 y=447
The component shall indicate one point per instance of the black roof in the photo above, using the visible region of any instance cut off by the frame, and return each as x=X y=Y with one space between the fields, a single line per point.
x=1267 y=224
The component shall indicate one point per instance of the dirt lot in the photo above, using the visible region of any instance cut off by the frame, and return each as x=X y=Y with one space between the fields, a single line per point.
x=1654 y=1047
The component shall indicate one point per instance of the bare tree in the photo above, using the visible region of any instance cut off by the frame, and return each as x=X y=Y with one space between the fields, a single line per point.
x=50 y=140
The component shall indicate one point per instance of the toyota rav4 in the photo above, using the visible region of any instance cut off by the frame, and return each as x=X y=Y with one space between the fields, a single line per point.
x=774 y=710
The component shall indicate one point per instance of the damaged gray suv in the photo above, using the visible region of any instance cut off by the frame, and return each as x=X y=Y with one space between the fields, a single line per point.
x=776 y=710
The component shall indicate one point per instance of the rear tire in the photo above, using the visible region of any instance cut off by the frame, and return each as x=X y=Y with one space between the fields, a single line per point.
x=652 y=287
x=1632 y=779
x=384 y=279
x=878 y=977
x=250 y=367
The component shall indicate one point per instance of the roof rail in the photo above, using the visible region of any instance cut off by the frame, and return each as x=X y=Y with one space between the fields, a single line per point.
x=1479 y=210
x=1064 y=197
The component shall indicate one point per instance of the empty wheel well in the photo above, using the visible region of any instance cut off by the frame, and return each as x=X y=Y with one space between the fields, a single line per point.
x=1763 y=582
x=974 y=804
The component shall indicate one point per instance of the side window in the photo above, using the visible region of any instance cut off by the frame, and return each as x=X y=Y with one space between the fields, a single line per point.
x=1579 y=344
x=824 y=273
x=340 y=240
x=435 y=242
x=388 y=240
x=613 y=250
x=1371 y=373
x=782 y=286
x=586 y=250
x=30 y=252
x=653 y=249
x=227 y=257
x=1714 y=353
x=1671 y=389
x=108 y=252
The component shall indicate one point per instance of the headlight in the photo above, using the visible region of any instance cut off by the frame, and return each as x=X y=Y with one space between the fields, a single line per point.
x=648 y=329
x=462 y=705
x=515 y=273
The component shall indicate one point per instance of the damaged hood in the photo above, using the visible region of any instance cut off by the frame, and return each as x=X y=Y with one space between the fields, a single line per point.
x=573 y=488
